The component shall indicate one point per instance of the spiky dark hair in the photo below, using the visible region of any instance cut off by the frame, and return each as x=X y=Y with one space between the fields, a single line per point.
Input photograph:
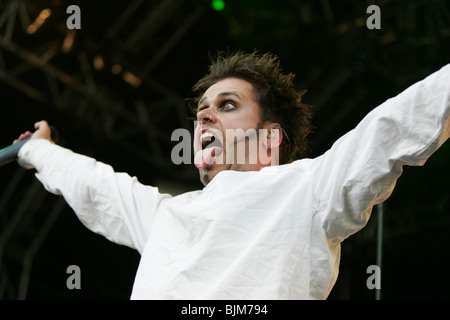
x=275 y=92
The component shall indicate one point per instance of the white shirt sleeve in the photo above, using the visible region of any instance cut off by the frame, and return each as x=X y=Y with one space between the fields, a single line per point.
x=361 y=168
x=112 y=204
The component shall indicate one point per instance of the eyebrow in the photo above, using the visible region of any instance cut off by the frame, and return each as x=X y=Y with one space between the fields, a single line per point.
x=222 y=94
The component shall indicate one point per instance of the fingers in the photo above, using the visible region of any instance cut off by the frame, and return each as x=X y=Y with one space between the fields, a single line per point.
x=42 y=131
x=23 y=136
x=41 y=125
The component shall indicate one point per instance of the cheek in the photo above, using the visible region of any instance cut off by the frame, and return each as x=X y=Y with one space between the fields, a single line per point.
x=250 y=121
x=244 y=120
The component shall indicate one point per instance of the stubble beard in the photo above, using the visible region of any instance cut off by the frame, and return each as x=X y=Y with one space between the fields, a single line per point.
x=206 y=175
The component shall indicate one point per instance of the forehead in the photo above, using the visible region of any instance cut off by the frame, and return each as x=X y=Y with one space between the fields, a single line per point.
x=238 y=86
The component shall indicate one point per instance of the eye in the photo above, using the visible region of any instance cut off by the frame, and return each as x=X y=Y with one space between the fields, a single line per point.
x=228 y=105
x=201 y=108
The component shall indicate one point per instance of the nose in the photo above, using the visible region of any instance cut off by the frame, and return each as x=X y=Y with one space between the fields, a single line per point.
x=205 y=116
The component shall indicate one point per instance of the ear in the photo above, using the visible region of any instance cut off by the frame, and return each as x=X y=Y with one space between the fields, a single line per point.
x=274 y=136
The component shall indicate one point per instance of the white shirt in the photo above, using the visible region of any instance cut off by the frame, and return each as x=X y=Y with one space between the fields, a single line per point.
x=268 y=234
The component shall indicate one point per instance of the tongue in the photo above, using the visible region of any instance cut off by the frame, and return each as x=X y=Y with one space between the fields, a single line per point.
x=207 y=156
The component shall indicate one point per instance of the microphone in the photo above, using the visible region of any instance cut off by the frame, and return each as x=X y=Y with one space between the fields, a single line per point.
x=9 y=154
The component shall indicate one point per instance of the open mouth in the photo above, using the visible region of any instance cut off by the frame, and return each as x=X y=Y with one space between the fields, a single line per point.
x=211 y=149
x=209 y=140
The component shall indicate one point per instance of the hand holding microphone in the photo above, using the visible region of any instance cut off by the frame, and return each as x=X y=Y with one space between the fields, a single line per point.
x=43 y=131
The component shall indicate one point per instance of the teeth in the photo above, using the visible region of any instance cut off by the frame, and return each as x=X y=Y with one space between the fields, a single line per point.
x=206 y=139
x=206 y=136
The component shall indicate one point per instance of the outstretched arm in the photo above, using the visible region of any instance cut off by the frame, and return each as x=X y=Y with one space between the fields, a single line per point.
x=361 y=168
x=112 y=204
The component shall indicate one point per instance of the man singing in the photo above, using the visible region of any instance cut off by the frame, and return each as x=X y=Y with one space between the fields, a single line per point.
x=258 y=229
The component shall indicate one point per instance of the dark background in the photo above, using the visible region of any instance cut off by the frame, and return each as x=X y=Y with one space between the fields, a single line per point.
x=346 y=68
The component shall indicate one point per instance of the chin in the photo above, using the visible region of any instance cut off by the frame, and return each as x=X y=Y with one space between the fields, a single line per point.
x=207 y=174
